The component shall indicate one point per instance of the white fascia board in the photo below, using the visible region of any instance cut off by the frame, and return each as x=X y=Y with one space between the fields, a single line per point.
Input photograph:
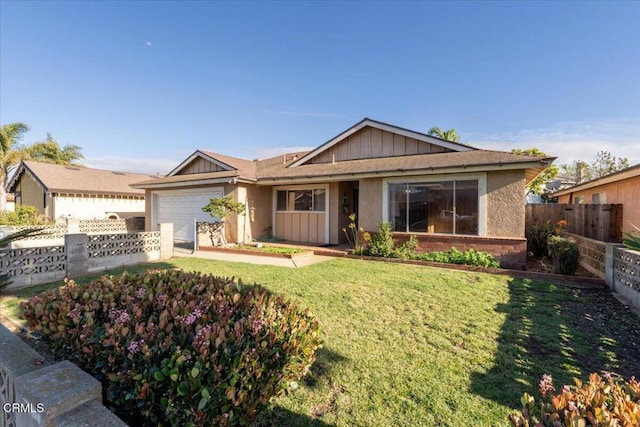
x=199 y=153
x=227 y=180
x=381 y=126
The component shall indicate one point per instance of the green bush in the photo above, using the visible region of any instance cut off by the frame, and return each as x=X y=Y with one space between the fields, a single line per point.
x=603 y=401
x=564 y=254
x=382 y=243
x=455 y=256
x=537 y=235
x=23 y=215
x=176 y=348
x=407 y=249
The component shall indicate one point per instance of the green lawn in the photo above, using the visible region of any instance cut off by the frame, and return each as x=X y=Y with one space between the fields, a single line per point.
x=411 y=345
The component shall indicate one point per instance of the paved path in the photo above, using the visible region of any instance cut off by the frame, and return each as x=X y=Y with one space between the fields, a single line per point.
x=297 y=262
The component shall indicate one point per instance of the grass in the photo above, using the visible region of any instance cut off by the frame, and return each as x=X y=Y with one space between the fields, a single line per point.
x=411 y=345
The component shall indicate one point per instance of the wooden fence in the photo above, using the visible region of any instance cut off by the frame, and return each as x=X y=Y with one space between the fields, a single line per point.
x=598 y=222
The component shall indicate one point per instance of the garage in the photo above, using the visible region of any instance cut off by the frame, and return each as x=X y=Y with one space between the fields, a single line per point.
x=183 y=209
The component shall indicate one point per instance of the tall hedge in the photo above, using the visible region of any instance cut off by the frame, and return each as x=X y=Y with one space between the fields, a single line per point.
x=178 y=348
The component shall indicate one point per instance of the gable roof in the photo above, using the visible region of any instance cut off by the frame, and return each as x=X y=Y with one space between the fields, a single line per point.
x=79 y=180
x=627 y=173
x=294 y=167
x=455 y=146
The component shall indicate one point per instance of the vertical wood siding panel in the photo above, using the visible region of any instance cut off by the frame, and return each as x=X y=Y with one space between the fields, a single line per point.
x=365 y=142
x=411 y=146
x=287 y=226
x=398 y=145
x=295 y=226
x=387 y=144
x=313 y=228
x=321 y=231
x=304 y=228
x=354 y=146
x=376 y=142
x=343 y=151
x=280 y=225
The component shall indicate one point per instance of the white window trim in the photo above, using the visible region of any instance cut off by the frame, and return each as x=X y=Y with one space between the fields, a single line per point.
x=482 y=195
x=274 y=204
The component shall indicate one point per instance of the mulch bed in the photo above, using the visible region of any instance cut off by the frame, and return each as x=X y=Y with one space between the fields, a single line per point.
x=545 y=265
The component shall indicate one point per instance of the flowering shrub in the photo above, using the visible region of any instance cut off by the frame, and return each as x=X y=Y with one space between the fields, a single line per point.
x=603 y=401
x=565 y=255
x=178 y=348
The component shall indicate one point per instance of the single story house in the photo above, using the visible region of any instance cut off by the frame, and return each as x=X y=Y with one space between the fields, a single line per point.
x=620 y=187
x=446 y=193
x=59 y=191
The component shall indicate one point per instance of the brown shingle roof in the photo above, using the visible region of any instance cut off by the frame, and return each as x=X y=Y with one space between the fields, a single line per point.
x=73 y=179
x=245 y=168
x=268 y=169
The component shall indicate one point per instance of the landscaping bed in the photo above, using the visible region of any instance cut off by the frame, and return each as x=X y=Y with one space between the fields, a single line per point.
x=267 y=251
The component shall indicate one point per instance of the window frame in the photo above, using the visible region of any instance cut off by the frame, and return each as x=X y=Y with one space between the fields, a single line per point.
x=481 y=178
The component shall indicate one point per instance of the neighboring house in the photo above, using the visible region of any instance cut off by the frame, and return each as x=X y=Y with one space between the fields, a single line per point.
x=560 y=182
x=620 y=187
x=446 y=193
x=77 y=192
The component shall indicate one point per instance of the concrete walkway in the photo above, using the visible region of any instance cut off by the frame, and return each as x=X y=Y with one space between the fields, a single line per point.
x=297 y=262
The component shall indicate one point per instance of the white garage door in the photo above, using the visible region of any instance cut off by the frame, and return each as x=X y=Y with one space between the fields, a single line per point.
x=182 y=209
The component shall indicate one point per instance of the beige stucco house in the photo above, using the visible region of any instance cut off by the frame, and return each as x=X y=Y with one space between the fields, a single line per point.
x=59 y=191
x=620 y=187
x=445 y=193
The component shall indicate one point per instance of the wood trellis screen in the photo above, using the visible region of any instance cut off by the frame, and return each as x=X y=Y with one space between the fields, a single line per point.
x=598 y=222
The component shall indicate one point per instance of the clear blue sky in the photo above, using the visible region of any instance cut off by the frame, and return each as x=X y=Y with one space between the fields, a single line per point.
x=141 y=85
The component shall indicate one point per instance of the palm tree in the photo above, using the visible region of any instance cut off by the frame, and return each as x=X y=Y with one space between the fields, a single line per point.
x=49 y=151
x=449 y=135
x=11 y=153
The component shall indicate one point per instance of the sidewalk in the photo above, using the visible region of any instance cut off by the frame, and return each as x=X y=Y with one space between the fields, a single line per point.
x=297 y=262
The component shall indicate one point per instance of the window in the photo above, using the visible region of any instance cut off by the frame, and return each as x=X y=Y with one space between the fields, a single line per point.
x=449 y=207
x=301 y=200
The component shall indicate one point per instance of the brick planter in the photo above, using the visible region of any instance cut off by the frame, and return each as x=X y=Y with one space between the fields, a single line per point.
x=252 y=252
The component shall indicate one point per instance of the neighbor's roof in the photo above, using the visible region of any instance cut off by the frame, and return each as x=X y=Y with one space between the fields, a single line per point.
x=79 y=180
x=627 y=173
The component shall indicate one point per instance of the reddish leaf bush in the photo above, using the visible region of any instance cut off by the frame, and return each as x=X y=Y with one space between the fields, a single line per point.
x=603 y=401
x=178 y=348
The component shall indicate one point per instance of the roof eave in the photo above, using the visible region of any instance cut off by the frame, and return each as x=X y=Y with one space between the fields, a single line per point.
x=628 y=173
x=199 y=182
x=488 y=167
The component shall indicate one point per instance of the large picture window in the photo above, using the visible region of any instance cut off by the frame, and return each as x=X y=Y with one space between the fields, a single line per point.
x=301 y=200
x=449 y=207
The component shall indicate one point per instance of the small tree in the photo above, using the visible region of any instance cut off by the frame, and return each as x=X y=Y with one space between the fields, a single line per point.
x=221 y=208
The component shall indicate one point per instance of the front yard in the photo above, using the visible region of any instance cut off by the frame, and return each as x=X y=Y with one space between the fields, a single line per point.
x=411 y=345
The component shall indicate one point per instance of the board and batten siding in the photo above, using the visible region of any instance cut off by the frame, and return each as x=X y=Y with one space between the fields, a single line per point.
x=371 y=143
x=306 y=227
x=200 y=165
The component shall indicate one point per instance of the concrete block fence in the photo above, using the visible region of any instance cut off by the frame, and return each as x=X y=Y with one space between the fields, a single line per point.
x=81 y=254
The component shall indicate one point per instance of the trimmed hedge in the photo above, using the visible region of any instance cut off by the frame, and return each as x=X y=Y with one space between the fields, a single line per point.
x=178 y=348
